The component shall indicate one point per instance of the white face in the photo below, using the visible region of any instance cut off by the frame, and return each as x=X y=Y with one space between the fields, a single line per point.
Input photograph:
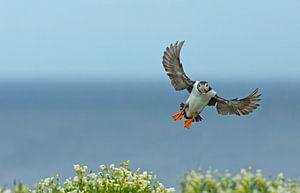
x=203 y=87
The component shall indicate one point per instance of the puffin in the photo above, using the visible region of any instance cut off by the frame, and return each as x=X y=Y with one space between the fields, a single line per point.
x=201 y=94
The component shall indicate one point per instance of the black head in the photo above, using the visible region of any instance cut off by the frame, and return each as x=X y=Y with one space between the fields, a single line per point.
x=203 y=87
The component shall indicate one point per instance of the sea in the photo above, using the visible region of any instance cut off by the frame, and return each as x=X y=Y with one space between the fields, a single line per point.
x=48 y=126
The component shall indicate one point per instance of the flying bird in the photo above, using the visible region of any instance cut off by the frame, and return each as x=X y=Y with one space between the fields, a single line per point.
x=201 y=93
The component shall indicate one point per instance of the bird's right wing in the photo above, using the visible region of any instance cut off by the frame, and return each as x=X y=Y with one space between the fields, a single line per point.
x=174 y=69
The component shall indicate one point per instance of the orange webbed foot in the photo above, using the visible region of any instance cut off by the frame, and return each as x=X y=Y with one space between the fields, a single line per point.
x=178 y=116
x=188 y=123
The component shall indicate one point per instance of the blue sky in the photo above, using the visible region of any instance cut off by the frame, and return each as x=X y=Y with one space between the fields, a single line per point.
x=109 y=39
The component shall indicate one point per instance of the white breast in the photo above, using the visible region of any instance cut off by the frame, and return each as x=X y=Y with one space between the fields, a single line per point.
x=197 y=102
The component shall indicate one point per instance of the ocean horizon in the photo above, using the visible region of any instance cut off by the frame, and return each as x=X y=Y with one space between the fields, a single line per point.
x=46 y=127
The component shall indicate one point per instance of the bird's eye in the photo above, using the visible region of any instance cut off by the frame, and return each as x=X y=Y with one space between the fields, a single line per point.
x=206 y=85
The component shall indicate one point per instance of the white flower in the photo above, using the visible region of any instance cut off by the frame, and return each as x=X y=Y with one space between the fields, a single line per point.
x=103 y=167
x=48 y=181
x=76 y=167
x=75 y=179
x=6 y=191
x=243 y=171
x=280 y=175
x=74 y=191
x=85 y=168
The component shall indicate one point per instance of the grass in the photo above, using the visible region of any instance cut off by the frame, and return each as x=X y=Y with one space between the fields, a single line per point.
x=111 y=179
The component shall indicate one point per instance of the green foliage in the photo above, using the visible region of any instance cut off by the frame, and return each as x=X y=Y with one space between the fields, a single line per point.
x=109 y=180
x=244 y=182
x=17 y=188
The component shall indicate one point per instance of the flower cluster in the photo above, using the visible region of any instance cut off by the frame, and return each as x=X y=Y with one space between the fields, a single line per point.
x=244 y=182
x=18 y=188
x=109 y=180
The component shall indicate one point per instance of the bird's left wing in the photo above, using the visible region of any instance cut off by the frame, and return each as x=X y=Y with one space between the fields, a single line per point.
x=174 y=68
x=236 y=106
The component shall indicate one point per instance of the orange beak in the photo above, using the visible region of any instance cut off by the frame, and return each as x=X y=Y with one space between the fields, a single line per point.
x=202 y=88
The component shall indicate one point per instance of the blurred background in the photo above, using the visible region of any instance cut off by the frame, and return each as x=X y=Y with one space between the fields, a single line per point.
x=82 y=82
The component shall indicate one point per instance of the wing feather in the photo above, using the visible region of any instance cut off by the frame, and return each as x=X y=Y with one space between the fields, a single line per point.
x=174 y=68
x=237 y=106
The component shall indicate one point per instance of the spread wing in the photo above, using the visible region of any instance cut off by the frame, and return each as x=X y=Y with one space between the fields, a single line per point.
x=174 y=69
x=236 y=106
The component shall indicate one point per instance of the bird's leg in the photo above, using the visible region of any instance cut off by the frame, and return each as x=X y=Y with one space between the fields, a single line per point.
x=179 y=115
x=182 y=106
x=197 y=118
x=188 y=122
